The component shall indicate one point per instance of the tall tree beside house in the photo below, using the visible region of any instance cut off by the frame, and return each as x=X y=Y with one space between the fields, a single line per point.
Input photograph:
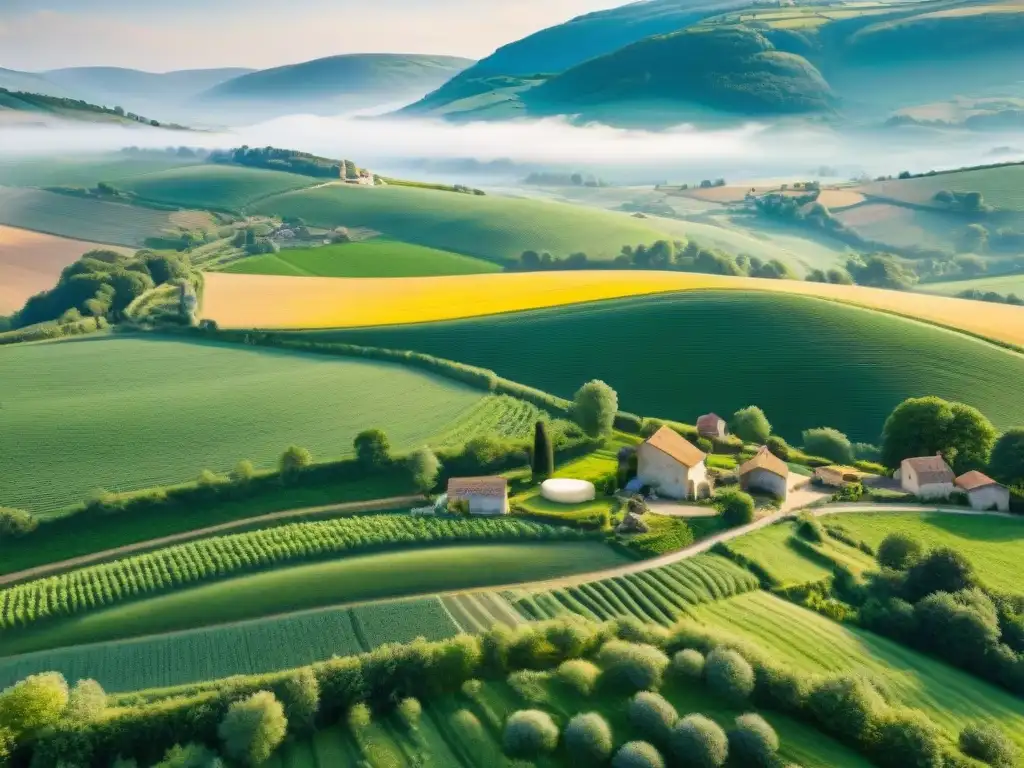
x=1007 y=463
x=424 y=466
x=751 y=425
x=543 y=453
x=924 y=426
x=594 y=407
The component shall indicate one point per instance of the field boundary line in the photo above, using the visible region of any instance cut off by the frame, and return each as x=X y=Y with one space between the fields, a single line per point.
x=51 y=569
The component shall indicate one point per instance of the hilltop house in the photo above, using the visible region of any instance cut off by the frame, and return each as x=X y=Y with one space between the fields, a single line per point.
x=485 y=495
x=928 y=477
x=673 y=465
x=983 y=492
x=765 y=472
x=712 y=425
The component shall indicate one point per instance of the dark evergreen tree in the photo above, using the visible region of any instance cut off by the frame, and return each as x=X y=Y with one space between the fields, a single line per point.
x=543 y=453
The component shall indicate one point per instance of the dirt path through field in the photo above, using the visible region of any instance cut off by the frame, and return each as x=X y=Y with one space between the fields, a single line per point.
x=50 y=569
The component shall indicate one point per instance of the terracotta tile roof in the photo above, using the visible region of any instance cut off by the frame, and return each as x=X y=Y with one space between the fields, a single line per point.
x=972 y=480
x=709 y=422
x=671 y=443
x=931 y=469
x=766 y=460
x=460 y=487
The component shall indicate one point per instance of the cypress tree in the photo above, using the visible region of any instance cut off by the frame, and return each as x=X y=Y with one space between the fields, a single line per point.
x=543 y=453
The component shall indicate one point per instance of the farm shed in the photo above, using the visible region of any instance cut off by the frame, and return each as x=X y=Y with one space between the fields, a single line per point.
x=485 y=495
x=928 y=477
x=673 y=465
x=765 y=472
x=712 y=425
x=983 y=492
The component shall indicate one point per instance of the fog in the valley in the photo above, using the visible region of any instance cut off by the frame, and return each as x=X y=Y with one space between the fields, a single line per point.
x=499 y=153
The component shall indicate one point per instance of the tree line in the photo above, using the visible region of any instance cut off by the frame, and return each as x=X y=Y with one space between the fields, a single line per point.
x=289 y=160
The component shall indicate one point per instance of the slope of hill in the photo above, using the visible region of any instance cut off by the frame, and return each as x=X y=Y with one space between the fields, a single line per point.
x=13 y=80
x=41 y=108
x=115 y=85
x=337 y=82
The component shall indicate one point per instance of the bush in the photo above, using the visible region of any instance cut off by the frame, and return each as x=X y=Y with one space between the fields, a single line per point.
x=580 y=675
x=729 y=675
x=781 y=689
x=753 y=742
x=6 y=743
x=899 y=551
x=594 y=407
x=588 y=739
x=631 y=666
x=424 y=466
x=190 y=756
x=1007 y=461
x=778 y=447
x=243 y=472
x=638 y=754
x=529 y=685
x=688 y=664
x=86 y=702
x=34 y=703
x=410 y=710
x=15 y=523
x=846 y=707
x=737 y=507
x=699 y=742
x=810 y=528
x=359 y=717
x=529 y=733
x=829 y=443
x=751 y=425
x=941 y=570
x=253 y=728
x=300 y=696
x=653 y=716
x=989 y=744
x=294 y=460
x=373 y=449
x=905 y=738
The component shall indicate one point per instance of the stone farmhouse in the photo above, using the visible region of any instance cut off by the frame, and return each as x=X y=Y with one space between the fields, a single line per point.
x=765 y=472
x=984 y=493
x=927 y=477
x=485 y=495
x=672 y=465
x=712 y=425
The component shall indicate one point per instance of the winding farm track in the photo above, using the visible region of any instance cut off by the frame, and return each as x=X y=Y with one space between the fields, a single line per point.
x=41 y=571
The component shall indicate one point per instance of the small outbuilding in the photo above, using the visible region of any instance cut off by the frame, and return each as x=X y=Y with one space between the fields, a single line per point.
x=765 y=472
x=983 y=492
x=838 y=476
x=712 y=425
x=485 y=495
x=928 y=477
x=673 y=465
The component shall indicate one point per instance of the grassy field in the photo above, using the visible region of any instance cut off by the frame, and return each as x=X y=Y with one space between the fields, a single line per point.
x=394 y=574
x=93 y=220
x=124 y=413
x=373 y=258
x=660 y=595
x=250 y=647
x=902 y=227
x=809 y=642
x=84 y=170
x=261 y=301
x=1002 y=187
x=991 y=543
x=491 y=227
x=1004 y=284
x=31 y=262
x=222 y=187
x=847 y=367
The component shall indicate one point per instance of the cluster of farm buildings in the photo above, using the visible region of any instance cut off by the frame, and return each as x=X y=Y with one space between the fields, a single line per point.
x=677 y=469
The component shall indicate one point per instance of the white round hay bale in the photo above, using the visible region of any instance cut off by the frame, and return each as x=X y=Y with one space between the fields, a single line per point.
x=564 y=490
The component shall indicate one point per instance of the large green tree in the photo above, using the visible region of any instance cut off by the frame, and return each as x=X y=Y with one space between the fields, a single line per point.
x=424 y=466
x=373 y=449
x=828 y=443
x=594 y=407
x=34 y=703
x=253 y=728
x=543 y=460
x=1007 y=462
x=751 y=425
x=924 y=426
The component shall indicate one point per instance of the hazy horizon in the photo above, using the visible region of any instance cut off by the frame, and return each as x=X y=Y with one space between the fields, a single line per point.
x=56 y=34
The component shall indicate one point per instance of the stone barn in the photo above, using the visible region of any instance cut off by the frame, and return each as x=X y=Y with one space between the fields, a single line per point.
x=984 y=493
x=765 y=472
x=712 y=425
x=928 y=477
x=673 y=465
x=485 y=495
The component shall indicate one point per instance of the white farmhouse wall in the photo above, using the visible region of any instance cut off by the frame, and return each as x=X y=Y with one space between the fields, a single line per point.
x=763 y=480
x=670 y=478
x=911 y=483
x=488 y=505
x=990 y=497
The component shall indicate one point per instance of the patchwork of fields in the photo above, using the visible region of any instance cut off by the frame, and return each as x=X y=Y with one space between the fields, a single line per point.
x=1003 y=284
x=701 y=351
x=84 y=171
x=126 y=413
x=373 y=258
x=262 y=301
x=1001 y=187
x=219 y=187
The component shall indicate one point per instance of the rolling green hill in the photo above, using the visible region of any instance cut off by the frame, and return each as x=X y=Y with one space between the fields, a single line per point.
x=44 y=108
x=490 y=227
x=680 y=355
x=124 y=413
x=85 y=170
x=223 y=187
x=1001 y=187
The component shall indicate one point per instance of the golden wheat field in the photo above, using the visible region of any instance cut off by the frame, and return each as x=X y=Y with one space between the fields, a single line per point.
x=269 y=301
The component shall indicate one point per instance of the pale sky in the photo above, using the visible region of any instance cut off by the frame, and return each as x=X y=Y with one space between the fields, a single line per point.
x=161 y=35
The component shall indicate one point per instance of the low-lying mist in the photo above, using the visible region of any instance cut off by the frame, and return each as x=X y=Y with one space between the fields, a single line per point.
x=500 y=152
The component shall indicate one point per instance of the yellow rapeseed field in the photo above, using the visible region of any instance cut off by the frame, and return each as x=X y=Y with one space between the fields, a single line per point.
x=272 y=302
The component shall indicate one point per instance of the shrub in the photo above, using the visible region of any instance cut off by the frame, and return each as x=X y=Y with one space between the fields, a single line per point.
x=1007 y=461
x=699 y=742
x=778 y=447
x=751 y=425
x=828 y=443
x=781 y=689
x=753 y=742
x=638 y=754
x=810 y=528
x=653 y=716
x=529 y=685
x=243 y=472
x=594 y=407
x=6 y=744
x=529 y=733
x=737 y=507
x=86 y=702
x=209 y=479
x=989 y=744
x=899 y=551
x=846 y=707
x=580 y=675
x=253 y=728
x=300 y=696
x=294 y=460
x=189 y=756
x=631 y=666
x=588 y=739
x=941 y=570
x=359 y=717
x=729 y=675
x=424 y=466
x=688 y=664
x=906 y=738
x=410 y=710
x=373 y=449
x=33 y=703
x=15 y=523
